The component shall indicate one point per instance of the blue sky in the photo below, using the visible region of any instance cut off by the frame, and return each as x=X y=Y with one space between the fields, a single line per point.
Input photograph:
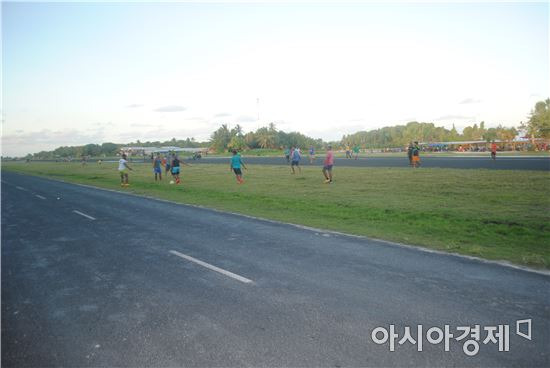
x=76 y=73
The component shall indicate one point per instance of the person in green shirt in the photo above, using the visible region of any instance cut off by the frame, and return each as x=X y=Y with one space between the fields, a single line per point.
x=356 y=151
x=235 y=166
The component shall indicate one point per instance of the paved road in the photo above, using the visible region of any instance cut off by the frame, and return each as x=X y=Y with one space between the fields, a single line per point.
x=502 y=163
x=97 y=278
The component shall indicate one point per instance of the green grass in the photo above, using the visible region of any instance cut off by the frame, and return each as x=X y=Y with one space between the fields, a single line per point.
x=493 y=214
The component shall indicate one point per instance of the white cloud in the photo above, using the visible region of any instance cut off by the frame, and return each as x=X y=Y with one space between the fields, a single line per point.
x=171 y=108
x=469 y=101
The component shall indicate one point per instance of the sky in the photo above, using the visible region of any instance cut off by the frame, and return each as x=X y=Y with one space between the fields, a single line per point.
x=78 y=73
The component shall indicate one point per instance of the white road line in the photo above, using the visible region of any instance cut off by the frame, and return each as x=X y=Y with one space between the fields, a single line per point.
x=83 y=214
x=21 y=188
x=39 y=196
x=211 y=267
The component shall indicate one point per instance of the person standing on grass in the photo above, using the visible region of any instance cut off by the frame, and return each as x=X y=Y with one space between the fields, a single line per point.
x=410 y=153
x=296 y=157
x=327 y=165
x=287 y=154
x=416 y=155
x=494 y=150
x=157 y=168
x=123 y=170
x=356 y=151
x=176 y=168
x=168 y=163
x=235 y=165
x=348 y=151
x=311 y=155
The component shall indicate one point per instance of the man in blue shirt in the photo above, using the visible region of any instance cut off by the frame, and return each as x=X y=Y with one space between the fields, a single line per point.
x=296 y=157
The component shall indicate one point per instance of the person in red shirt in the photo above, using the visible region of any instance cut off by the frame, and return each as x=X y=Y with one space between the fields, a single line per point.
x=327 y=165
x=493 y=150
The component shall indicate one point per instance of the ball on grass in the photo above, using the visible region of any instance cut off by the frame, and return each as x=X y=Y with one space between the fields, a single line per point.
x=171 y=182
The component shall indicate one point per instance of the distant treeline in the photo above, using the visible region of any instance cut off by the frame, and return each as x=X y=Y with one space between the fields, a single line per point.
x=223 y=139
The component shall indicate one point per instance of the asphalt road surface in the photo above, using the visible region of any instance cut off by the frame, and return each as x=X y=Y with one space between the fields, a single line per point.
x=501 y=163
x=98 y=278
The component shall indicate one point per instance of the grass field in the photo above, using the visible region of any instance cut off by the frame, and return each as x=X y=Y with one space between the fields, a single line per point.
x=492 y=214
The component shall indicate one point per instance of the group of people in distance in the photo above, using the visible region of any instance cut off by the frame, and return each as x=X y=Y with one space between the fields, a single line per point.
x=354 y=150
x=172 y=164
x=293 y=156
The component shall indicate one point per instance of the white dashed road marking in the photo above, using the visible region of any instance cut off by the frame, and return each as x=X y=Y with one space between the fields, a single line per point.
x=83 y=214
x=213 y=268
x=39 y=196
x=21 y=188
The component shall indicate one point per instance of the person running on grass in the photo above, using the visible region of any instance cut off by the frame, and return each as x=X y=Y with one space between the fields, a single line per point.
x=176 y=168
x=235 y=165
x=296 y=157
x=123 y=170
x=327 y=165
x=157 y=167
x=494 y=150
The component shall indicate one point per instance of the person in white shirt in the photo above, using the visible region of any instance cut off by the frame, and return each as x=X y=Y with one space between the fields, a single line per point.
x=123 y=170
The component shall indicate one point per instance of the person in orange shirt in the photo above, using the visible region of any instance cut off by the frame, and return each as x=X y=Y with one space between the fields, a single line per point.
x=493 y=150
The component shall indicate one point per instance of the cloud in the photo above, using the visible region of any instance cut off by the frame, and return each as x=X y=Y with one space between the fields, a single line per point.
x=140 y=125
x=20 y=144
x=222 y=115
x=133 y=106
x=99 y=124
x=197 y=119
x=455 y=117
x=170 y=108
x=469 y=101
x=245 y=119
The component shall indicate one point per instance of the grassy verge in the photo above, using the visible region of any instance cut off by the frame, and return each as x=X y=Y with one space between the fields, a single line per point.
x=491 y=214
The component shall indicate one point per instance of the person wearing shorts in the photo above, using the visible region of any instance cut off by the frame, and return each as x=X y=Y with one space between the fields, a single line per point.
x=416 y=155
x=168 y=164
x=356 y=151
x=494 y=151
x=176 y=168
x=287 y=154
x=123 y=170
x=311 y=154
x=157 y=168
x=327 y=165
x=410 y=153
x=235 y=165
x=296 y=157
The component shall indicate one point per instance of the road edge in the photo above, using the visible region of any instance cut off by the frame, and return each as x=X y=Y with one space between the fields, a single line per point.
x=501 y=263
